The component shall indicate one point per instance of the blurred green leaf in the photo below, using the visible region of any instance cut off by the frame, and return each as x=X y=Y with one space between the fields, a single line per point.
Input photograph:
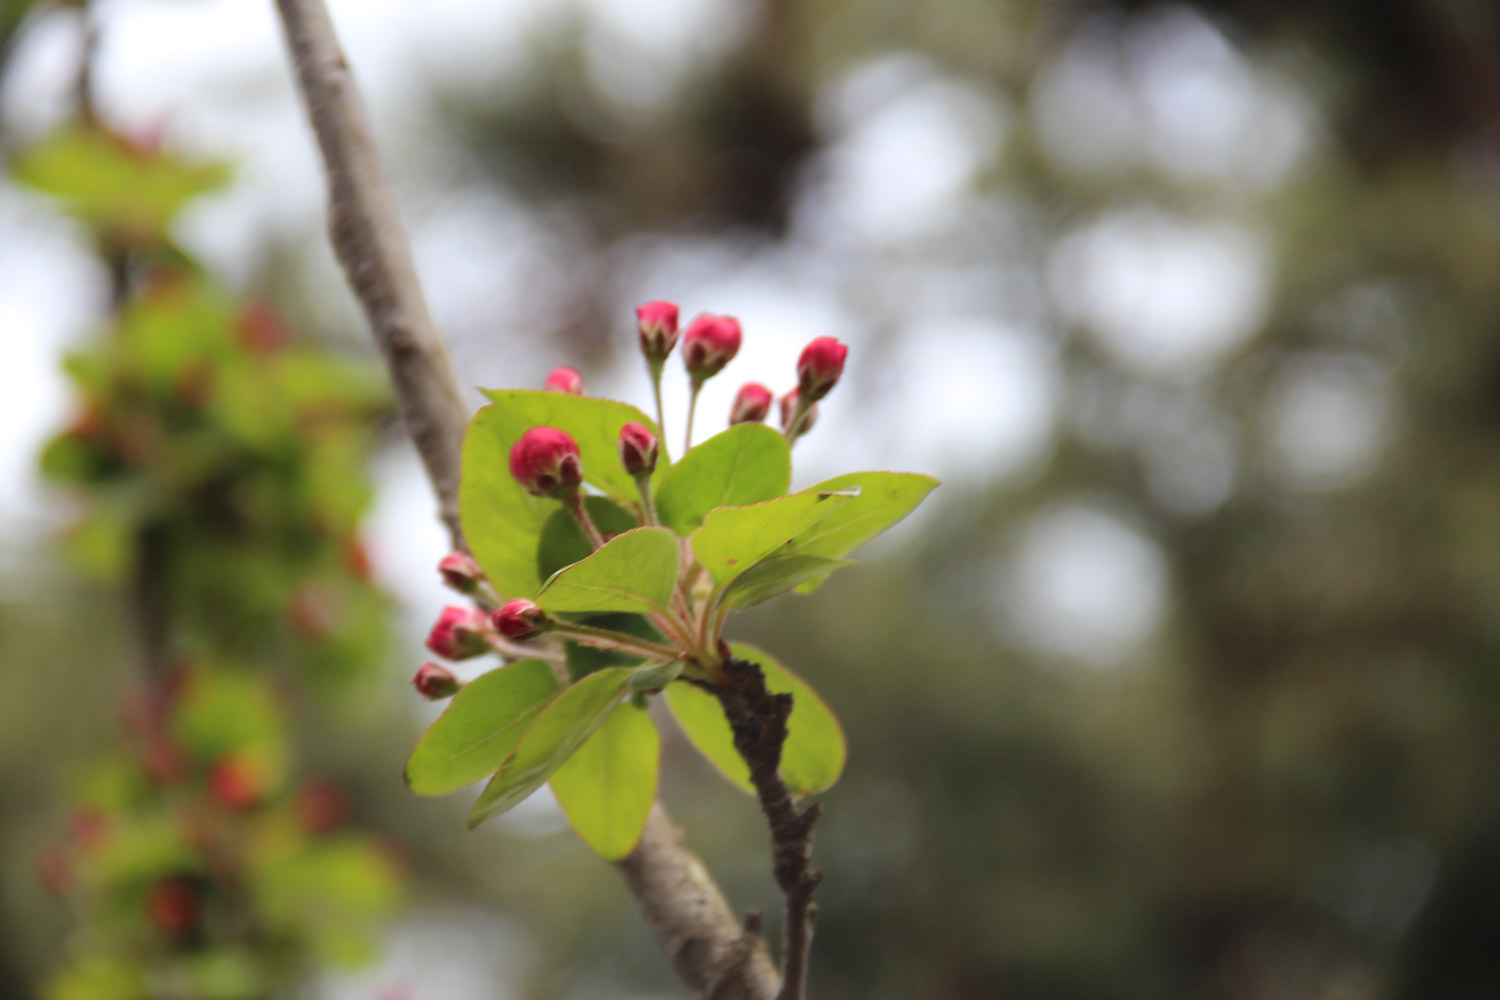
x=99 y=979
x=733 y=539
x=563 y=542
x=777 y=575
x=636 y=571
x=884 y=499
x=746 y=464
x=607 y=786
x=814 y=754
x=560 y=730
x=480 y=727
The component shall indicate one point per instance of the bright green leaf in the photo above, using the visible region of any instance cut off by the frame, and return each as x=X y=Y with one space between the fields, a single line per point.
x=746 y=464
x=777 y=575
x=502 y=521
x=563 y=542
x=651 y=678
x=481 y=726
x=559 y=731
x=884 y=498
x=733 y=539
x=636 y=571
x=607 y=786
x=811 y=760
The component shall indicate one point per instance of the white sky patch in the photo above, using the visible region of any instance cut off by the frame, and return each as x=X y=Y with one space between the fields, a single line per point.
x=1082 y=585
x=1087 y=119
x=1328 y=421
x=1163 y=295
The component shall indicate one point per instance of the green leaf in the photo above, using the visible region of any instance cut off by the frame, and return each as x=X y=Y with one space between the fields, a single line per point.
x=481 y=726
x=884 y=498
x=746 y=464
x=636 y=571
x=777 y=575
x=811 y=760
x=733 y=539
x=607 y=786
x=563 y=542
x=501 y=521
x=660 y=675
x=557 y=732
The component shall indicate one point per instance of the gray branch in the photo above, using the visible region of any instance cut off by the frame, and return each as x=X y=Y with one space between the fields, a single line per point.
x=712 y=952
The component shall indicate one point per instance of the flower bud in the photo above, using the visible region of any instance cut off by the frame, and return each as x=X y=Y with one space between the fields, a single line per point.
x=172 y=905
x=545 y=462
x=520 y=619
x=711 y=342
x=235 y=781
x=751 y=404
x=458 y=634
x=638 y=449
x=656 y=322
x=461 y=572
x=819 y=367
x=789 y=413
x=435 y=682
x=565 y=380
x=321 y=804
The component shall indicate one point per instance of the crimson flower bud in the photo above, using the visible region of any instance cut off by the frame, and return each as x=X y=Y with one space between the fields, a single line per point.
x=638 y=449
x=751 y=404
x=656 y=322
x=520 y=619
x=564 y=379
x=545 y=462
x=789 y=413
x=458 y=634
x=711 y=342
x=172 y=905
x=235 y=781
x=434 y=682
x=819 y=367
x=460 y=572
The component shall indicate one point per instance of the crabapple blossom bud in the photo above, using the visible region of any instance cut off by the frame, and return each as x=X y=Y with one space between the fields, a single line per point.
x=656 y=322
x=545 y=462
x=711 y=342
x=172 y=904
x=751 y=404
x=460 y=571
x=520 y=619
x=565 y=380
x=458 y=634
x=819 y=367
x=434 y=682
x=235 y=781
x=638 y=449
x=789 y=413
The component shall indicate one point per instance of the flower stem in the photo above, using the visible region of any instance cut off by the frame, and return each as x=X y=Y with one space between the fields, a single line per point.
x=574 y=503
x=648 y=506
x=615 y=640
x=661 y=413
x=687 y=441
x=791 y=430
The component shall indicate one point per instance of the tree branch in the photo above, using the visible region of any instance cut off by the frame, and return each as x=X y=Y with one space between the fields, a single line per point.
x=685 y=910
x=758 y=719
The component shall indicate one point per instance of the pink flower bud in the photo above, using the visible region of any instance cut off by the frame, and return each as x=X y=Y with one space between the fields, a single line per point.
x=434 y=682
x=520 y=619
x=458 y=634
x=711 y=342
x=461 y=572
x=751 y=404
x=545 y=461
x=819 y=367
x=638 y=449
x=656 y=323
x=789 y=412
x=565 y=380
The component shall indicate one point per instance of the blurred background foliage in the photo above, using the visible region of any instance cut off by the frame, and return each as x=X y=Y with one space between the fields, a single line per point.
x=1184 y=686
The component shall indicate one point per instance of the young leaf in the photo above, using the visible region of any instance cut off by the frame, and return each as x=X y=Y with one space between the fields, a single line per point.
x=884 y=498
x=811 y=760
x=501 y=521
x=480 y=727
x=607 y=786
x=733 y=539
x=746 y=464
x=563 y=542
x=636 y=571
x=558 y=731
x=777 y=575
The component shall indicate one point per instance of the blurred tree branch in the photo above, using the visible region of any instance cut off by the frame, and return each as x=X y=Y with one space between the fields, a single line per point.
x=684 y=908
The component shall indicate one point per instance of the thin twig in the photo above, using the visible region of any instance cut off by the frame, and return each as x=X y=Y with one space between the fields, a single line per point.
x=685 y=910
x=759 y=721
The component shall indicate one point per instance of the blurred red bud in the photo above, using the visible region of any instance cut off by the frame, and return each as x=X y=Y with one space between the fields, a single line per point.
x=433 y=682
x=545 y=462
x=236 y=782
x=172 y=905
x=260 y=328
x=321 y=804
x=751 y=404
x=564 y=379
x=520 y=619
x=656 y=323
x=459 y=633
x=711 y=342
x=819 y=367
x=165 y=763
x=461 y=572
x=638 y=449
